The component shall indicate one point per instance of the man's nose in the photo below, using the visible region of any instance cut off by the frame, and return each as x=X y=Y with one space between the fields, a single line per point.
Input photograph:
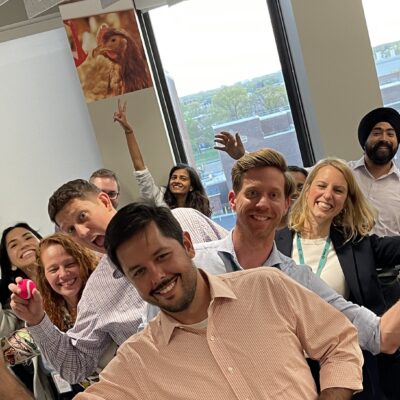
x=81 y=231
x=156 y=273
x=263 y=202
x=386 y=137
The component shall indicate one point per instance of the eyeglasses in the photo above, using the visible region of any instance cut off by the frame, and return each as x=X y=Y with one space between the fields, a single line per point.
x=112 y=195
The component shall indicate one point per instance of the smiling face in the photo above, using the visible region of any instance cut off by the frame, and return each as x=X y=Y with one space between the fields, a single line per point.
x=327 y=194
x=86 y=220
x=21 y=245
x=179 y=183
x=161 y=269
x=260 y=203
x=62 y=272
x=381 y=145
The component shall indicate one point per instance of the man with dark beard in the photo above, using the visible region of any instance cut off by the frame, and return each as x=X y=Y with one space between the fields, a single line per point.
x=376 y=173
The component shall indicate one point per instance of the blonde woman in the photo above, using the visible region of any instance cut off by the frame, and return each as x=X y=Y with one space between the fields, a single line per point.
x=328 y=230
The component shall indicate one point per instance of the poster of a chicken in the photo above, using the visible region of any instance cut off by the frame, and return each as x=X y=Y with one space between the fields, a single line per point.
x=108 y=54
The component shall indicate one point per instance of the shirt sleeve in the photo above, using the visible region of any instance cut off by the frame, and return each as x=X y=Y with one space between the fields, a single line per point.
x=124 y=378
x=326 y=335
x=74 y=357
x=148 y=188
x=366 y=322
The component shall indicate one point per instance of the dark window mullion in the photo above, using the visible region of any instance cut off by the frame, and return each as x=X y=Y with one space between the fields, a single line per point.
x=162 y=87
x=292 y=87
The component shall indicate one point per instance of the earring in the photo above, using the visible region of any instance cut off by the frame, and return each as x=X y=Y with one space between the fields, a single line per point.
x=13 y=268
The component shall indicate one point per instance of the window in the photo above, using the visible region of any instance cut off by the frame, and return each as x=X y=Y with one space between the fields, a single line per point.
x=384 y=33
x=223 y=73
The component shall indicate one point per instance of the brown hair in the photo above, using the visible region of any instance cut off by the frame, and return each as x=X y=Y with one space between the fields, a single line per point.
x=77 y=189
x=54 y=303
x=265 y=157
x=357 y=217
x=105 y=173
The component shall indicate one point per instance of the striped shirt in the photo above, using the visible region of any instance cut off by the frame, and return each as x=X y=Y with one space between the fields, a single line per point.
x=259 y=323
x=109 y=312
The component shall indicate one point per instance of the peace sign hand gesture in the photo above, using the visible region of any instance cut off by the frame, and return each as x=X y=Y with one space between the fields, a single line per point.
x=120 y=116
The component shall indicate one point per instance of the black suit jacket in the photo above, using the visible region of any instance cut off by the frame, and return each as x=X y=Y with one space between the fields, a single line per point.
x=359 y=260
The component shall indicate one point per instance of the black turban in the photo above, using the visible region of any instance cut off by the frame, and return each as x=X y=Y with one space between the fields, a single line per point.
x=383 y=114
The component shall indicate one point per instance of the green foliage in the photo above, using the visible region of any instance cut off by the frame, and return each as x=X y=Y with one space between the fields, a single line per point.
x=230 y=103
x=258 y=96
x=272 y=97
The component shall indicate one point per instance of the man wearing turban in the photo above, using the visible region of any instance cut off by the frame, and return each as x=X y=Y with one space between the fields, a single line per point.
x=376 y=173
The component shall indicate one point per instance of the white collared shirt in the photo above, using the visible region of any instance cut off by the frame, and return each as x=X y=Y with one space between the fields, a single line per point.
x=384 y=195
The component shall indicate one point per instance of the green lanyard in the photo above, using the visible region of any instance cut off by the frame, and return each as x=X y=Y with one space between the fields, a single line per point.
x=324 y=255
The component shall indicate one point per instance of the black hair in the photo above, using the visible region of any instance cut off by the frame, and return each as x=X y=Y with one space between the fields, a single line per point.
x=196 y=198
x=133 y=219
x=7 y=274
x=295 y=168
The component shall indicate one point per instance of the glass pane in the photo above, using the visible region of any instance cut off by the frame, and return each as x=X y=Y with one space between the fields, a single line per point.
x=224 y=74
x=384 y=32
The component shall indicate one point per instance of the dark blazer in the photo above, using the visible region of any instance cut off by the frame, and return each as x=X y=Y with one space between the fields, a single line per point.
x=358 y=259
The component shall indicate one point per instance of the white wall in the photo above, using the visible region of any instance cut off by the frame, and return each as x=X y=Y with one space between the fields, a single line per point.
x=335 y=69
x=45 y=130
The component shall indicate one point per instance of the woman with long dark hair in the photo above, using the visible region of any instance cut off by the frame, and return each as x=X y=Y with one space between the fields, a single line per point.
x=17 y=256
x=184 y=187
x=18 y=246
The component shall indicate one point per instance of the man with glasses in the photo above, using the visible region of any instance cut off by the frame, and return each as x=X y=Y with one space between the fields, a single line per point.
x=107 y=181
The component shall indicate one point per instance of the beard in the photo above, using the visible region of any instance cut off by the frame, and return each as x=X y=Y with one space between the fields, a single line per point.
x=379 y=157
x=189 y=283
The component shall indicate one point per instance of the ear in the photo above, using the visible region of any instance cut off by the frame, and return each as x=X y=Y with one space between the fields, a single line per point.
x=232 y=200
x=188 y=244
x=105 y=200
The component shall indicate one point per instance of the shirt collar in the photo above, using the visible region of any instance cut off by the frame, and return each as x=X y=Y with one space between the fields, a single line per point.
x=361 y=164
x=218 y=289
x=227 y=250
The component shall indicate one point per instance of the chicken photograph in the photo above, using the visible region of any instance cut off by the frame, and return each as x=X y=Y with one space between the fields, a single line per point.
x=108 y=54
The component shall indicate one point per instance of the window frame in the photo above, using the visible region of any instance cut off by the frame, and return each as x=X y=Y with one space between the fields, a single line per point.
x=288 y=72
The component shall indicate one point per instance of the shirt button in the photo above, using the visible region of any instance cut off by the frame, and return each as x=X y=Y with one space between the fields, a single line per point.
x=230 y=369
x=212 y=338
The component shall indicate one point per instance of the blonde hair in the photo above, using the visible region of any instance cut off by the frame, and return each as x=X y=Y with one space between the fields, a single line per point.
x=356 y=218
x=53 y=303
x=264 y=157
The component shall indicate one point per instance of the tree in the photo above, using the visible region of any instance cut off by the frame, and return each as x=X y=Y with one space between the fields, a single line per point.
x=230 y=103
x=272 y=97
x=198 y=123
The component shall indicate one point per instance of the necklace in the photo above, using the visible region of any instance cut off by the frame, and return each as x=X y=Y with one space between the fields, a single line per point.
x=324 y=255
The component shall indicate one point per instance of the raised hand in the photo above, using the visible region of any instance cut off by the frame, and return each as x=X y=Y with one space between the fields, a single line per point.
x=30 y=310
x=232 y=145
x=120 y=116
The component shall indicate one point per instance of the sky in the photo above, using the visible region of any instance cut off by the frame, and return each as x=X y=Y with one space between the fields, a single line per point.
x=205 y=44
